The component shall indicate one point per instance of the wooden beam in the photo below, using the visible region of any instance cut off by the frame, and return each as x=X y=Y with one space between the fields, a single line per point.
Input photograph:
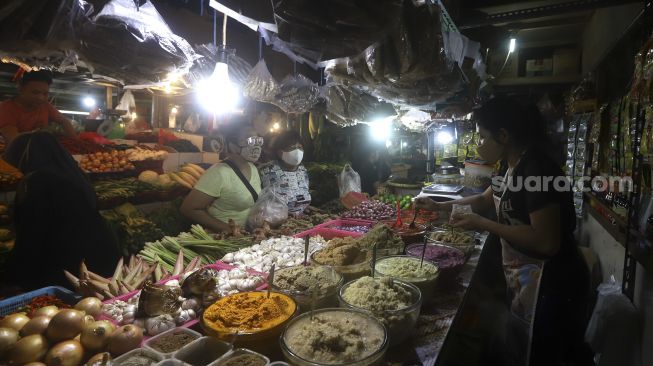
x=109 y=97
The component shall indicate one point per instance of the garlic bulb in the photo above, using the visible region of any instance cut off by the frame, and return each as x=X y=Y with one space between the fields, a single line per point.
x=159 y=324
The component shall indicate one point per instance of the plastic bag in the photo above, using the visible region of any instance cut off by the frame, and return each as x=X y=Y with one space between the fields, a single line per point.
x=297 y=94
x=614 y=330
x=270 y=208
x=260 y=85
x=348 y=181
x=127 y=102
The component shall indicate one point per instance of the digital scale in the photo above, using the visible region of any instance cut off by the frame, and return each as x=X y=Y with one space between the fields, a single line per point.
x=443 y=189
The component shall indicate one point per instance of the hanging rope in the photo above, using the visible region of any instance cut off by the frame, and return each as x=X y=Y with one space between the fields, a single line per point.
x=260 y=47
x=215 y=31
x=224 y=30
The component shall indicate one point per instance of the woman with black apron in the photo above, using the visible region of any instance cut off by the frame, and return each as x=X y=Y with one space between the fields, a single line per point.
x=547 y=280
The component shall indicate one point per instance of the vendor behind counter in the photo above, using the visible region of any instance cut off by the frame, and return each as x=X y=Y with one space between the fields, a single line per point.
x=31 y=110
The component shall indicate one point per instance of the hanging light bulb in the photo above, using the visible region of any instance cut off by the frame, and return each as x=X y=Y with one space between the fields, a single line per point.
x=218 y=94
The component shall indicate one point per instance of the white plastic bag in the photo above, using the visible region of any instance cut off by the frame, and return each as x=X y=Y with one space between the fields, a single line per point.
x=127 y=102
x=348 y=181
x=270 y=208
x=614 y=330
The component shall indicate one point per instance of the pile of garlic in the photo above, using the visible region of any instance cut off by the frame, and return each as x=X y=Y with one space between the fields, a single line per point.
x=284 y=251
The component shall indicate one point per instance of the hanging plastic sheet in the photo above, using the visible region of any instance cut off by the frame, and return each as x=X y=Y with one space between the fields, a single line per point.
x=297 y=94
x=260 y=84
x=347 y=106
x=134 y=44
x=409 y=67
x=321 y=30
x=41 y=33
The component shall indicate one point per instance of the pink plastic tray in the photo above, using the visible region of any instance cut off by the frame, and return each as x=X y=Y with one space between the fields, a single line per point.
x=330 y=225
x=217 y=266
x=327 y=234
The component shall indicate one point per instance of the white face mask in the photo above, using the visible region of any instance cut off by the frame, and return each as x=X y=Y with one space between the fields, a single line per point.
x=293 y=157
x=250 y=153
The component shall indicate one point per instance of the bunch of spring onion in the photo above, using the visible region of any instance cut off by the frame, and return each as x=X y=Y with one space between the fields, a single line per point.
x=197 y=243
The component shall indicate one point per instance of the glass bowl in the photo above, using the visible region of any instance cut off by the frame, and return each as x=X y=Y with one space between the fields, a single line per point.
x=400 y=322
x=303 y=331
x=325 y=298
x=348 y=272
x=450 y=260
x=406 y=268
x=463 y=240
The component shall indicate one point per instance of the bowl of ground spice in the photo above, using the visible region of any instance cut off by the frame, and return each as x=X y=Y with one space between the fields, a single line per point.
x=243 y=357
x=249 y=316
x=171 y=341
x=346 y=256
x=304 y=283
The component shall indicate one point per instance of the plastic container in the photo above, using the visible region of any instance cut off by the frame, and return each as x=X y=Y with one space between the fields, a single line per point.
x=252 y=338
x=224 y=360
x=426 y=284
x=324 y=299
x=374 y=358
x=148 y=344
x=478 y=176
x=203 y=351
x=13 y=304
x=278 y=363
x=447 y=176
x=348 y=272
x=118 y=361
x=399 y=323
x=407 y=234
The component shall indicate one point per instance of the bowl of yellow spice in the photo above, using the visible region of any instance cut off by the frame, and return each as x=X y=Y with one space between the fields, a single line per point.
x=250 y=317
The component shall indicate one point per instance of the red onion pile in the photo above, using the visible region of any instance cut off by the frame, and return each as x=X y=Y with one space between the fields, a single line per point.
x=371 y=210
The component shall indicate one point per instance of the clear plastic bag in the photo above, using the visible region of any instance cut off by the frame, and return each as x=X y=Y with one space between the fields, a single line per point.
x=297 y=94
x=348 y=181
x=270 y=208
x=614 y=330
x=260 y=85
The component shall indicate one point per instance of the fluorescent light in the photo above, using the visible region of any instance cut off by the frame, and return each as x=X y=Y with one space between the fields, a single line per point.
x=388 y=143
x=88 y=102
x=134 y=115
x=513 y=45
x=174 y=110
x=275 y=125
x=63 y=111
x=404 y=144
x=444 y=138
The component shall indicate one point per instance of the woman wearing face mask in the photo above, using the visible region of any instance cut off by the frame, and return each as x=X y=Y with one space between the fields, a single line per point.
x=287 y=174
x=229 y=189
x=547 y=280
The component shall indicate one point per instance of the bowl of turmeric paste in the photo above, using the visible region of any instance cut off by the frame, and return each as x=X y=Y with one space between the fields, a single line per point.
x=249 y=316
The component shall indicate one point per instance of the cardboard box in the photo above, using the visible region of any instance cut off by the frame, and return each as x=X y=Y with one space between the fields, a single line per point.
x=539 y=67
x=566 y=61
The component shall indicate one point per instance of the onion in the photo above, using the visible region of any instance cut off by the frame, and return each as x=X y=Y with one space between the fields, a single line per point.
x=99 y=359
x=88 y=319
x=67 y=353
x=90 y=305
x=50 y=311
x=95 y=336
x=16 y=321
x=28 y=349
x=37 y=325
x=125 y=339
x=65 y=325
x=8 y=336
